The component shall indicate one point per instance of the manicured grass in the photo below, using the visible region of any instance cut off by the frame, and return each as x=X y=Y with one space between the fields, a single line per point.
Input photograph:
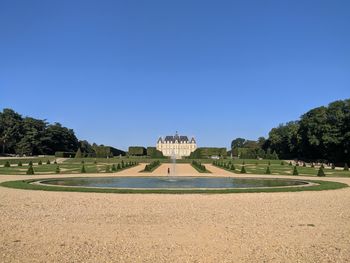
x=26 y=160
x=26 y=184
x=259 y=167
x=65 y=168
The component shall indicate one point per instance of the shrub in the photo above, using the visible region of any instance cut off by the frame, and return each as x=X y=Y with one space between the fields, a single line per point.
x=108 y=169
x=20 y=163
x=282 y=162
x=233 y=167
x=346 y=167
x=40 y=162
x=57 y=171
x=30 y=170
x=290 y=163
x=333 y=166
x=243 y=163
x=295 y=171
x=122 y=164
x=65 y=154
x=321 y=172
x=200 y=166
x=268 y=170
x=31 y=163
x=113 y=168
x=304 y=164
x=48 y=162
x=322 y=166
x=83 y=169
x=82 y=162
x=55 y=162
x=137 y=151
x=268 y=163
x=119 y=167
x=312 y=165
x=243 y=171
x=7 y=164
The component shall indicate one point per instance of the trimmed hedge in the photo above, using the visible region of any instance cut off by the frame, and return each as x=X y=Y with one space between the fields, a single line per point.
x=137 y=151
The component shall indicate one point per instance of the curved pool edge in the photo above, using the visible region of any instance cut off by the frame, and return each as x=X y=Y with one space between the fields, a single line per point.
x=313 y=185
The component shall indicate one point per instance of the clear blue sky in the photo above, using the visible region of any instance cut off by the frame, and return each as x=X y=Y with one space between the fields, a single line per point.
x=125 y=72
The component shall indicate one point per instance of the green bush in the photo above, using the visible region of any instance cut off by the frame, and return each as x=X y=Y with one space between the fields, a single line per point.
x=55 y=162
x=290 y=163
x=30 y=170
x=243 y=171
x=233 y=167
x=31 y=163
x=268 y=163
x=65 y=154
x=295 y=171
x=113 y=168
x=83 y=169
x=333 y=166
x=40 y=162
x=108 y=169
x=304 y=164
x=282 y=162
x=7 y=164
x=268 y=170
x=119 y=167
x=57 y=171
x=20 y=163
x=48 y=162
x=312 y=165
x=200 y=167
x=137 y=151
x=321 y=172
x=346 y=167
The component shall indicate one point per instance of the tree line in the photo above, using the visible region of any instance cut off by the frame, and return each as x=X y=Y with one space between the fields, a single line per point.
x=320 y=135
x=29 y=136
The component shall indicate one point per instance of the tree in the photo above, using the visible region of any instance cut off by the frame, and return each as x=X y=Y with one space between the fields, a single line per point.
x=237 y=143
x=30 y=170
x=320 y=172
x=78 y=154
x=243 y=171
x=295 y=171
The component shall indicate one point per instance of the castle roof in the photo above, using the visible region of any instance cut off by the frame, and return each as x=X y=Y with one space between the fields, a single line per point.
x=176 y=137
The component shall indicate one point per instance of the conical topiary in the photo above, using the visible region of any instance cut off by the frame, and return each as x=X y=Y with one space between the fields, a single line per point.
x=57 y=171
x=268 y=170
x=320 y=172
x=290 y=163
x=233 y=167
x=119 y=167
x=48 y=162
x=30 y=170
x=304 y=164
x=282 y=162
x=7 y=164
x=243 y=171
x=346 y=167
x=312 y=165
x=20 y=163
x=113 y=168
x=55 y=162
x=295 y=171
x=333 y=166
x=40 y=162
x=83 y=169
x=30 y=163
x=268 y=163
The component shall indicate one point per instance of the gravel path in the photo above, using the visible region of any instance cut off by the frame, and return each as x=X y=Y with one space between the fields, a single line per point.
x=38 y=226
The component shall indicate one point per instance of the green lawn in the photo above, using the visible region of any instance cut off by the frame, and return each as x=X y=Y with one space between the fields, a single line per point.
x=259 y=167
x=27 y=184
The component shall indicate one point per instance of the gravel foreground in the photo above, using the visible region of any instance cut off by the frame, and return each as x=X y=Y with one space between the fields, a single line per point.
x=38 y=226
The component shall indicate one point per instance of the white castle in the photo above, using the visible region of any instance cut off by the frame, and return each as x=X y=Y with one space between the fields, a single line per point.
x=177 y=146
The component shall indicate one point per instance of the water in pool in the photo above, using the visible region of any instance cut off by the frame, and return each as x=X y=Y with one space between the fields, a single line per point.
x=173 y=182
